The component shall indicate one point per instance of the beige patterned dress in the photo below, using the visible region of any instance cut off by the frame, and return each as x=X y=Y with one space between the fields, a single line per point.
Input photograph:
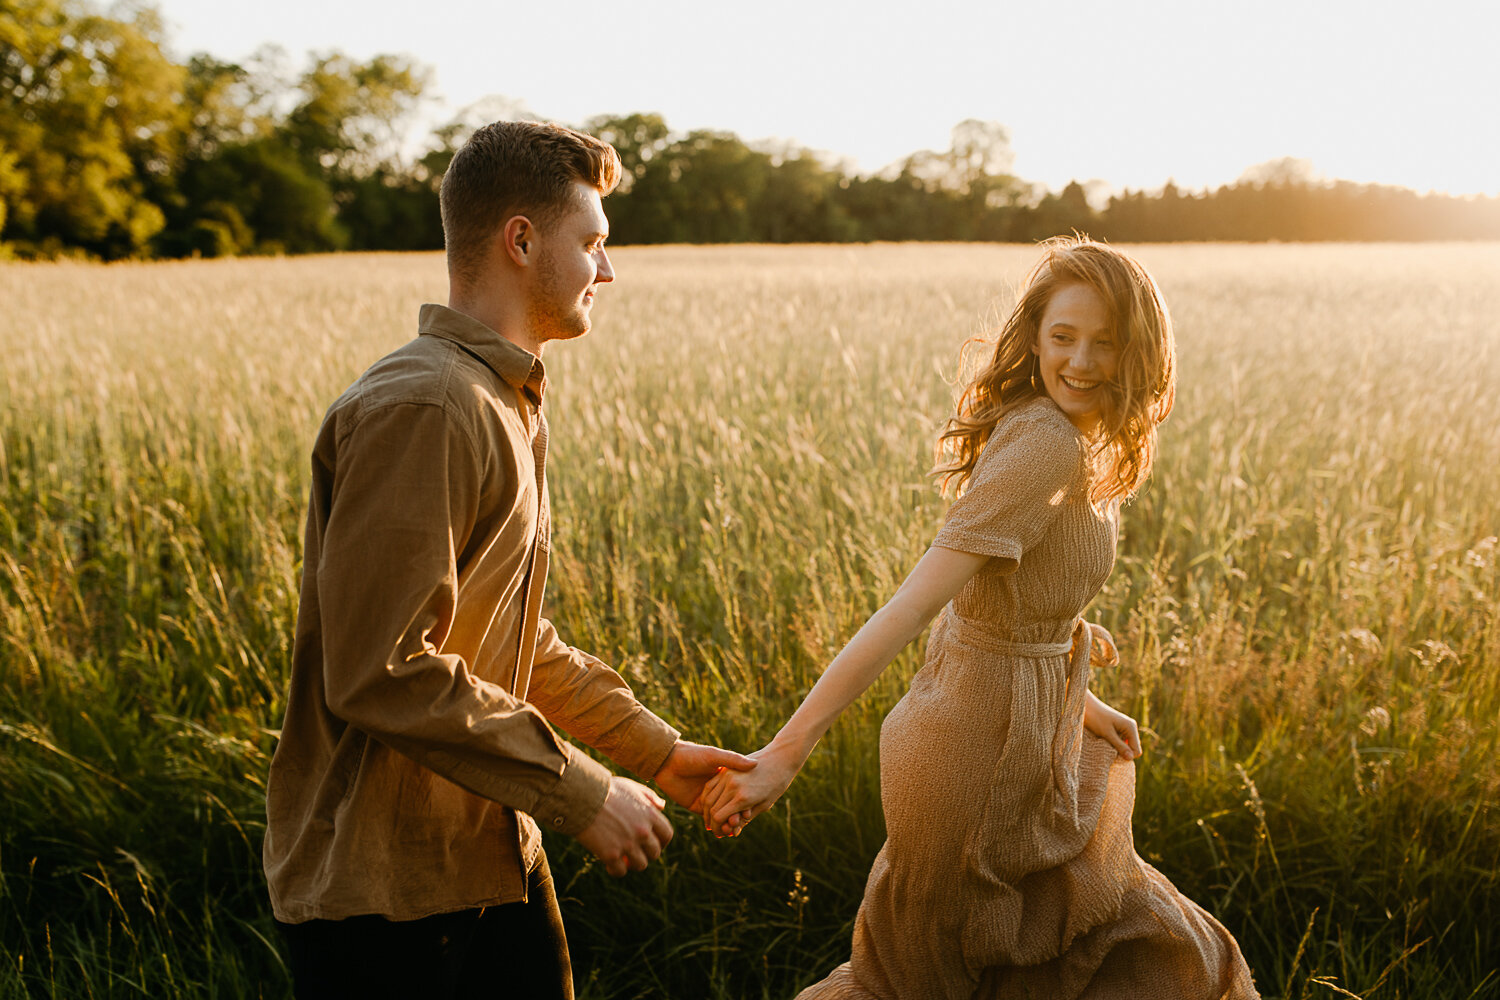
x=1009 y=870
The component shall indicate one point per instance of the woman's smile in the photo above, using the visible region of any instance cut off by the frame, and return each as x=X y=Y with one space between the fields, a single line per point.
x=1076 y=352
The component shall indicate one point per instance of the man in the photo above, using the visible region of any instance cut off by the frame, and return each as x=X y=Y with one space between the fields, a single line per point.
x=416 y=760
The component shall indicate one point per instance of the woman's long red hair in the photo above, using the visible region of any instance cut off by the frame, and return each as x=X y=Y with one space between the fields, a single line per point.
x=1137 y=399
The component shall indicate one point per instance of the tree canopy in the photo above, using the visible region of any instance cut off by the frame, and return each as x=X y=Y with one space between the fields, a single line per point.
x=110 y=149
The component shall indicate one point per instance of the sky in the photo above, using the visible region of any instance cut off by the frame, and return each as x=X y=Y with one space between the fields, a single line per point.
x=1129 y=93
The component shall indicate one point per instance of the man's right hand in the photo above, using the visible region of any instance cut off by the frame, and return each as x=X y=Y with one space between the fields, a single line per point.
x=631 y=829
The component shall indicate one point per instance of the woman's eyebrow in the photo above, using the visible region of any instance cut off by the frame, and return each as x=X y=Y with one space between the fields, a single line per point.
x=1065 y=325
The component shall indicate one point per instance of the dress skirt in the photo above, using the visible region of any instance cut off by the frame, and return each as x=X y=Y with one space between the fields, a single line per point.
x=1009 y=869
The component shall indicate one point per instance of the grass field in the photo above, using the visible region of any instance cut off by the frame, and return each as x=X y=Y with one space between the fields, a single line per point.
x=1306 y=594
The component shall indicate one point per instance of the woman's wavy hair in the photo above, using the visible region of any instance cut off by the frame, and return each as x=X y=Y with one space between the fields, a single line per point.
x=1137 y=399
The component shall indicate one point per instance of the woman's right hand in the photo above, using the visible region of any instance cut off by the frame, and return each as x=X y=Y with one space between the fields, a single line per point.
x=733 y=798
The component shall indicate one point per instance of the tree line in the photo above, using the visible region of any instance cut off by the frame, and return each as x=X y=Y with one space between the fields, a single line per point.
x=110 y=149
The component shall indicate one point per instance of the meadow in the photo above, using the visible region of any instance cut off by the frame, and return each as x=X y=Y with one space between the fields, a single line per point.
x=1307 y=596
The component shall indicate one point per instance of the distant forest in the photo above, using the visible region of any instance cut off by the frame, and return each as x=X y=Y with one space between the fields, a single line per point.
x=109 y=149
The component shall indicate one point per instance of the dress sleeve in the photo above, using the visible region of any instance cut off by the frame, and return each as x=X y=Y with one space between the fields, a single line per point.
x=1028 y=470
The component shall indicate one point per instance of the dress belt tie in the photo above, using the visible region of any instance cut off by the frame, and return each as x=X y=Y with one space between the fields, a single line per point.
x=977 y=635
x=1066 y=739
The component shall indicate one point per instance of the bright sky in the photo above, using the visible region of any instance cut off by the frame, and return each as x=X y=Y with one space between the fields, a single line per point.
x=1130 y=93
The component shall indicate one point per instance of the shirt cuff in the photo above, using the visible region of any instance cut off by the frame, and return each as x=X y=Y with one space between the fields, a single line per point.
x=646 y=745
x=576 y=798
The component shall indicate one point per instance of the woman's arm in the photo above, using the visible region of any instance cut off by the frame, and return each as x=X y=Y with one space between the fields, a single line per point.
x=735 y=797
x=1100 y=719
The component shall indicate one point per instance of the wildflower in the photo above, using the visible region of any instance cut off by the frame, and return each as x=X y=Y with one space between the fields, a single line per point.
x=1480 y=555
x=1376 y=720
x=1364 y=640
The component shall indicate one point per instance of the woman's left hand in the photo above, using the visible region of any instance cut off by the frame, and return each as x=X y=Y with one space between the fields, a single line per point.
x=1117 y=728
x=733 y=798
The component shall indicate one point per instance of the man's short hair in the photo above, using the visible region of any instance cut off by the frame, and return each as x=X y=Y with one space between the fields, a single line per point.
x=516 y=168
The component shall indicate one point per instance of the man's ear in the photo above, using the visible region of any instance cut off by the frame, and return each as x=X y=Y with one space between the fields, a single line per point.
x=518 y=240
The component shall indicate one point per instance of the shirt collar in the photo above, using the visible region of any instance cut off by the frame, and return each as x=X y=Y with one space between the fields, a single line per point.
x=516 y=365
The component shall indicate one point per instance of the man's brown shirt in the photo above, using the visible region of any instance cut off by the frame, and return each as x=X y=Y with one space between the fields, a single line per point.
x=416 y=748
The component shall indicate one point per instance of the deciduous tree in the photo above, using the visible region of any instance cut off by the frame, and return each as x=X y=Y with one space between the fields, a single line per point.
x=90 y=117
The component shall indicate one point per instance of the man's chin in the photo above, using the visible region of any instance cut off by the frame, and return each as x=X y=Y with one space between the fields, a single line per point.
x=569 y=332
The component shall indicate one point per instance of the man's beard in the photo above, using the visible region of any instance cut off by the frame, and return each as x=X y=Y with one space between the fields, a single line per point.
x=553 y=315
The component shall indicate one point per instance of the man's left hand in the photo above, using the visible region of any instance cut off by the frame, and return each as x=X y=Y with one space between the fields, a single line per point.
x=689 y=767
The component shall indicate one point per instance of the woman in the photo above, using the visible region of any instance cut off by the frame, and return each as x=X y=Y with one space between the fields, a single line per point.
x=1009 y=869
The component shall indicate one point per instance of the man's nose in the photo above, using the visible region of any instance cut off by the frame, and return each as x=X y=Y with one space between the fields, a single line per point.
x=606 y=270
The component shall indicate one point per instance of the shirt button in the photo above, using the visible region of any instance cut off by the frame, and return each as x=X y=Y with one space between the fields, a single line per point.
x=557 y=821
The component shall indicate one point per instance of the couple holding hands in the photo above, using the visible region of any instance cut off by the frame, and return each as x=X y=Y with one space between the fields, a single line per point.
x=418 y=761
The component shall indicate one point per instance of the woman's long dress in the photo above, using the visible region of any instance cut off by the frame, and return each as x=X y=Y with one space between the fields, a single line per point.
x=1009 y=870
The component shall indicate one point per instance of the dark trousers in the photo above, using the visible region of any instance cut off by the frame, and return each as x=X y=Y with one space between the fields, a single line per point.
x=515 y=950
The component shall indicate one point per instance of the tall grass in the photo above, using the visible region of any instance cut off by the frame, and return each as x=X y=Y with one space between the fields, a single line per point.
x=1306 y=595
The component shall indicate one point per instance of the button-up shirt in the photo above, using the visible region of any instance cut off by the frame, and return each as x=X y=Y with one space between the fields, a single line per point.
x=416 y=747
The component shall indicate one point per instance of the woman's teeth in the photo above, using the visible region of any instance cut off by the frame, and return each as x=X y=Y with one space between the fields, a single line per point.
x=1072 y=383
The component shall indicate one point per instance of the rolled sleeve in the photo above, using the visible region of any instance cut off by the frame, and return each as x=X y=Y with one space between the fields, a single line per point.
x=591 y=702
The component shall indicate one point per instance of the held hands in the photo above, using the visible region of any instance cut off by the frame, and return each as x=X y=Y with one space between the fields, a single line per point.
x=632 y=829
x=690 y=766
x=733 y=798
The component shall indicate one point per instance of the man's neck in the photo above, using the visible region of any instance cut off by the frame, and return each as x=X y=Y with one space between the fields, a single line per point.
x=500 y=313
